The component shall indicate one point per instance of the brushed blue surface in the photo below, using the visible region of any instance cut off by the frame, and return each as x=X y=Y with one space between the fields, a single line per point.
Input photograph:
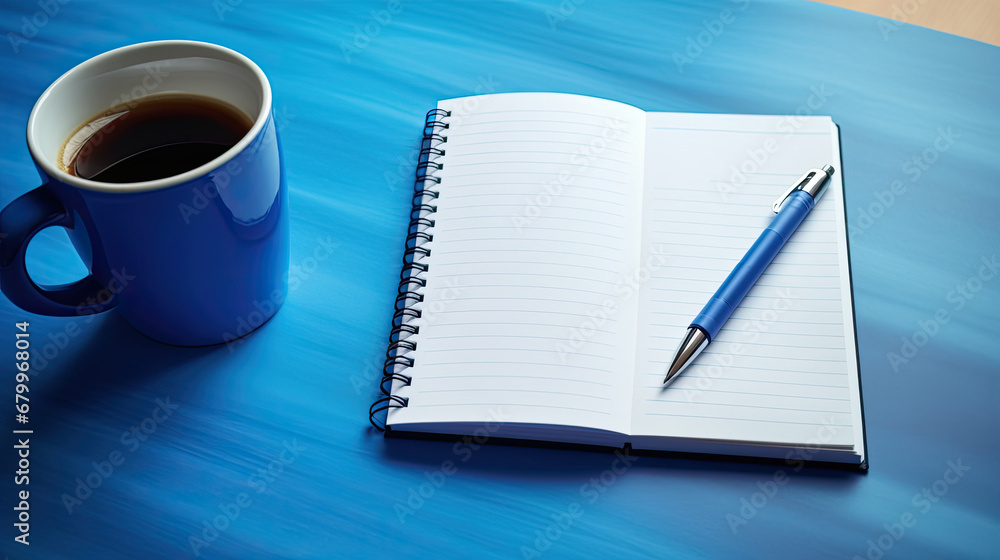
x=351 y=84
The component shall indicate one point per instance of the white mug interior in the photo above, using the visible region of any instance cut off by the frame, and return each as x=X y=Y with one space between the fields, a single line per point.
x=131 y=72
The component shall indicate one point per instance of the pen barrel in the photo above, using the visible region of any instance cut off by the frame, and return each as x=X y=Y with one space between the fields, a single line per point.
x=729 y=295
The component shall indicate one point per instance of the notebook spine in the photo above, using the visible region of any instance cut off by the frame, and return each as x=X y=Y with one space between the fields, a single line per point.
x=412 y=277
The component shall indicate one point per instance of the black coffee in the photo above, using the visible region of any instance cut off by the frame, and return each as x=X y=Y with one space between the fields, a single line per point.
x=152 y=138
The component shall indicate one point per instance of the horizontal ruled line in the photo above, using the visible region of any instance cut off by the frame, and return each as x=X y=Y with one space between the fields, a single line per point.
x=531 y=227
x=518 y=404
x=745 y=419
x=514 y=391
x=521 y=298
x=705 y=191
x=536 y=173
x=517 y=323
x=514 y=215
x=707 y=293
x=508 y=216
x=572 y=265
x=452 y=164
x=472 y=239
x=756 y=227
x=588 y=135
x=744 y=306
x=737 y=318
x=523 y=311
x=782 y=185
x=445 y=192
x=690 y=376
x=664 y=362
x=776 y=261
x=519 y=141
x=532 y=274
x=744 y=238
x=774 y=132
x=534 y=287
x=533 y=251
x=451 y=196
x=751 y=345
x=738 y=247
x=815 y=212
x=781 y=333
x=716 y=282
x=533 y=121
x=683 y=206
x=498 y=363
x=460 y=155
x=705 y=403
x=730 y=269
x=508 y=111
x=562 y=339
x=524 y=206
x=713 y=353
x=476 y=376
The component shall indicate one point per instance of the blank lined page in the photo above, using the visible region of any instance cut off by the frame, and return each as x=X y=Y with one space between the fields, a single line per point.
x=783 y=369
x=536 y=229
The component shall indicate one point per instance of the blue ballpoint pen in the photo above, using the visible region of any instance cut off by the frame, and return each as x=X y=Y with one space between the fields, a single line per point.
x=791 y=208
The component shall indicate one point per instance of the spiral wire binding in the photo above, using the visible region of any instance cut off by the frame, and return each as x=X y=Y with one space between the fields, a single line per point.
x=412 y=279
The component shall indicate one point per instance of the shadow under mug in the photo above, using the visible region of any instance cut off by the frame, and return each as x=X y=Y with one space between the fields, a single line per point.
x=194 y=259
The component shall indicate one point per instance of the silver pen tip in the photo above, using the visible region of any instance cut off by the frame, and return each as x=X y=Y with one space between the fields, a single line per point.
x=829 y=170
x=694 y=341
x=675 y=367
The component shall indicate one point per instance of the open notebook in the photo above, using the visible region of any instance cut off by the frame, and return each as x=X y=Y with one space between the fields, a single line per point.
x=561 y=244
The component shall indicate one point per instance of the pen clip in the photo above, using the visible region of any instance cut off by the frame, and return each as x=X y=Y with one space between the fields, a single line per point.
x=813 y=182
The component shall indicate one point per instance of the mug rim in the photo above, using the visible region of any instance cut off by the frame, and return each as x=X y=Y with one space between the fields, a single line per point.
x=222 y=53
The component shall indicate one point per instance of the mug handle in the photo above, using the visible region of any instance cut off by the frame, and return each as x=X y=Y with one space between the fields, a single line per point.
x=19 y=222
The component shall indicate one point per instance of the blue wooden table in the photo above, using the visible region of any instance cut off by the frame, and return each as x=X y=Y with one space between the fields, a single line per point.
x=262 y=449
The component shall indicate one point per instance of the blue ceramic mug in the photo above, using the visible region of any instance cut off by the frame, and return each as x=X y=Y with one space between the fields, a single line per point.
x=194 y=259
